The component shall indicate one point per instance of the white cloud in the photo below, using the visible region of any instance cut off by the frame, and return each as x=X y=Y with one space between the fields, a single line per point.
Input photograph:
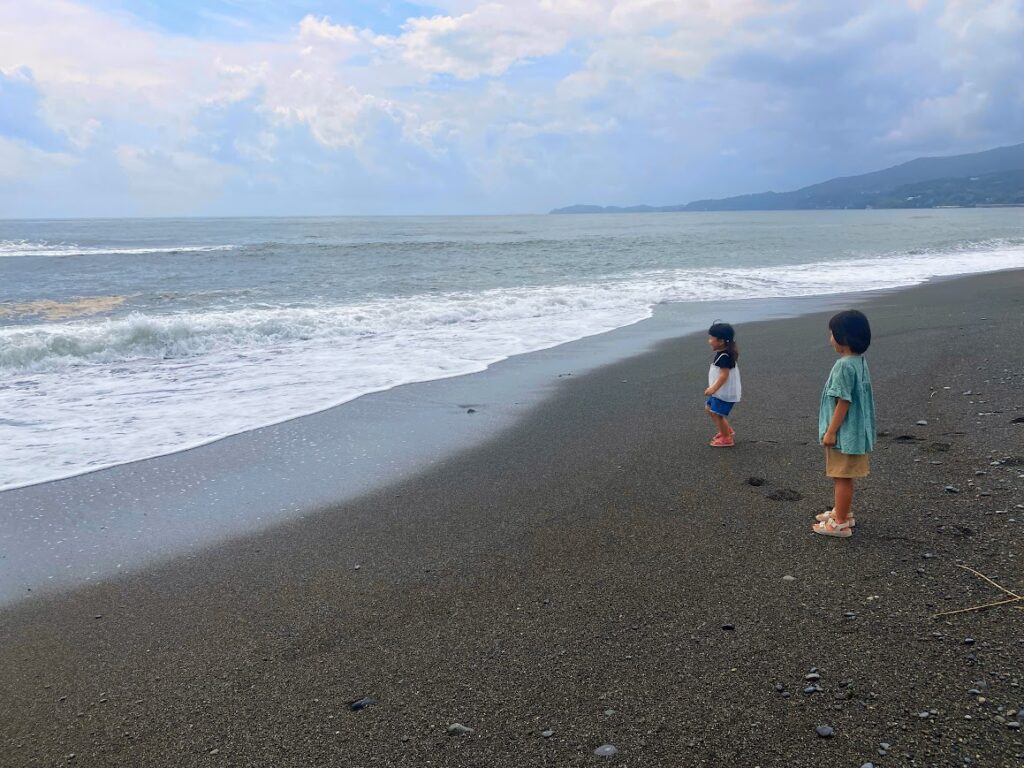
x=21 y=162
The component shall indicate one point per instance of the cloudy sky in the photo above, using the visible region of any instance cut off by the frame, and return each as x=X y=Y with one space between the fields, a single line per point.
x=254 y=107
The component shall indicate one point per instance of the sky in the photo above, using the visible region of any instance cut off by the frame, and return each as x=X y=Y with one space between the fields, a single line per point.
x=115 y=108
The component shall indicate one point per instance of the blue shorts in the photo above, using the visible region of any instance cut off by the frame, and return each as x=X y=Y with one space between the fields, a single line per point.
x=721 y=407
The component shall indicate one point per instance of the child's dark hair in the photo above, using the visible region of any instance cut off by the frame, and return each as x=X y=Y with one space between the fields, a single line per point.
x=851 y=329
x=726 y=333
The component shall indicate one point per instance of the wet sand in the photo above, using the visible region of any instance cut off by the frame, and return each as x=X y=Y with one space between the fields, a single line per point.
x=575 y=574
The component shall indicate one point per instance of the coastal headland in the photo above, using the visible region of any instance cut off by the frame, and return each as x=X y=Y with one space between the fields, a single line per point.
x=597 y=575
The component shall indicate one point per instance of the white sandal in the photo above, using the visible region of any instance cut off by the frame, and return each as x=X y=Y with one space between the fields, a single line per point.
x=831 y=528
x=831 y=513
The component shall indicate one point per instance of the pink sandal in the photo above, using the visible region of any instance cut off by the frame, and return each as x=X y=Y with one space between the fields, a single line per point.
x=830 y=514
x=719 y=442
x=831 y=528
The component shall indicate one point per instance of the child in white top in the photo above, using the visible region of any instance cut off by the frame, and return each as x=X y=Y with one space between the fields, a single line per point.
x=724 y=387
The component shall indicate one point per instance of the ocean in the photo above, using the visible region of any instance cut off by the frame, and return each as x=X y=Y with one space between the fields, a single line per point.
x=127 y=339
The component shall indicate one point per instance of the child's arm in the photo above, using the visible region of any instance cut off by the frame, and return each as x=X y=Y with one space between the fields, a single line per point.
x=838 y=415
x=723 y=376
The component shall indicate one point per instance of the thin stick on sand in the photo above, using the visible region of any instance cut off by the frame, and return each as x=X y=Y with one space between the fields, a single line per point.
x=1014 y=597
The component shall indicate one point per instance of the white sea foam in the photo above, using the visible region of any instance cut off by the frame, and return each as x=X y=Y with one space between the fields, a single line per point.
x=84 y=395
x=10 y=248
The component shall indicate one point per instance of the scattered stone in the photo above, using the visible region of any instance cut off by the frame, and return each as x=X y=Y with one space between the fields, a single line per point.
x=1013 y=725
x=927 y=556
x=812 y=676
x=1018 y=420
x=952 y=489
x=755 y=481
x=922 y=422
x=785 y=494
x=728 y=627
x=787 y=577
x=780 y=687
x=968 y=641
x=609 y=712
x=361 y=703
x=606 y=750
x=458 y=729
x=357 y=567
x=471 y=410
x=907 y=439
x=547 y=734
x=810 y=689
x=824 y=731
x=868 y=765
x=214 y=751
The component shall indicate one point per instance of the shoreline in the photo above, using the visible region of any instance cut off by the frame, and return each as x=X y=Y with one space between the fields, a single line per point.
x=576 y=573
x=117 y=519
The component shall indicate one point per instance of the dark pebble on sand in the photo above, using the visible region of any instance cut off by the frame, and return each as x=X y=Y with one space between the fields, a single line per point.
x=458 y=729
x=812 y=676
x=824 y=731
x=755 y=481
x=728 y=627
x=1018 y=420
x=361 y=703
x=606 y=750
x=952 y=489
x=968 y=641
x=471 y=410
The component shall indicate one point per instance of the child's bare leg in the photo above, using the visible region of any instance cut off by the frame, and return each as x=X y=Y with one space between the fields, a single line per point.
x=714 y=418
x=844 y=498
x=719 y=422
x=723 y=428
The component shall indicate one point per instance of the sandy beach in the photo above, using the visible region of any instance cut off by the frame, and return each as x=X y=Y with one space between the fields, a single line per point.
x=598 y=575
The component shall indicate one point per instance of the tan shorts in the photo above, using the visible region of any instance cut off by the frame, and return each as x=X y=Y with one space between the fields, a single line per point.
x=845 y=464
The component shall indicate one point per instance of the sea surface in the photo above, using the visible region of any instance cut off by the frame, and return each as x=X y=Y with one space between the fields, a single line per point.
x=127 y=339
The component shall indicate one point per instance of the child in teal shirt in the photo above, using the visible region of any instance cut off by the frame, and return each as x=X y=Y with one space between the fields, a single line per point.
x=846 y=419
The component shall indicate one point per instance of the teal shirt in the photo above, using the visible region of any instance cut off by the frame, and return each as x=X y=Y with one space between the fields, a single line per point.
x=850 y=380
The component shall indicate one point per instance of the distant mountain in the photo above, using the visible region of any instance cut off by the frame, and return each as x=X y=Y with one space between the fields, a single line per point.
x=993 y=177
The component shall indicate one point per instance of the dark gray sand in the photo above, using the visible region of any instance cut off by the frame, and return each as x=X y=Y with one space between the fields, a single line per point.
x=600 y=574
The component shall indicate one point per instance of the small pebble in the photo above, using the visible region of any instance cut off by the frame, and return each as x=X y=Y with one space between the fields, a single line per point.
x=787 y=577
x=458 y=729
x=824 y=731
x=952 y=489
x=361 y=703
x=609 y=712
x=968 y=641
x=1013 y=725
x=812 y=676
x=922 y=423
x=547 y=734
x=606 y=750
x=728 y=627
